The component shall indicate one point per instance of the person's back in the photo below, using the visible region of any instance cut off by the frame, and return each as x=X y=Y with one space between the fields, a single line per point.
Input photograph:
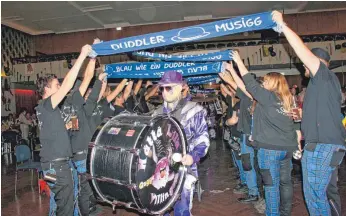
x=321 y=108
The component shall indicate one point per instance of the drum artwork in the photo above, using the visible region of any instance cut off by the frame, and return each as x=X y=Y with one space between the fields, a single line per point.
x=130 y=162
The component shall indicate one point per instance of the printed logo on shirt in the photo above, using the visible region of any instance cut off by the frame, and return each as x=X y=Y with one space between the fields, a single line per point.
x=130 y=133
x=114 y=131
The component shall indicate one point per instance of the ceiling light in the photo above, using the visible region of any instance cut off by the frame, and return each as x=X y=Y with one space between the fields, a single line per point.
x=202 y=17
x=118 y=28
x=97 y=8
x=12 y=18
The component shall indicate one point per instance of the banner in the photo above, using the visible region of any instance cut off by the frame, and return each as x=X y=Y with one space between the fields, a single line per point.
x=220 y=28
x=215 y=56
x=206 y=81
x=132 y=72
x=203 y=91
x=201 y=78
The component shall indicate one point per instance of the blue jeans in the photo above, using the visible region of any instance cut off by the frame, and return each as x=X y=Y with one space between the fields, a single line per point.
x=247 y=157
x=237 y=162
x=319 y=163
x=275 y=167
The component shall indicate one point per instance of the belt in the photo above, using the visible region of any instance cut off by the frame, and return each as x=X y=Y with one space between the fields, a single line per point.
x=80 y=152
x=61 y=159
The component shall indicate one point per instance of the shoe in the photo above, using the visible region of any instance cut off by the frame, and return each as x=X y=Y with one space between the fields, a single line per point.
x=248 y=199
x=240 y=189
x=260 y=206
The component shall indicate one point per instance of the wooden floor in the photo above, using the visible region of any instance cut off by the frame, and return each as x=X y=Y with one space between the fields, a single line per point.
x=216 y=175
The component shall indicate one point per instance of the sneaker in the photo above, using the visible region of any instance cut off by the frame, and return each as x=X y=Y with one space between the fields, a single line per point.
x=240 y=189
x=260 y=206
x=248 y=199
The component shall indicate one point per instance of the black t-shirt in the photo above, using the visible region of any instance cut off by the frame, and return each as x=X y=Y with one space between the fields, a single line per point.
x=229 y=111
x=130 y=103
x=321 y=121
x=108 y=109
x=118 y=110
x=53 y=134
x=81 y=138
x=244 y=122
x=234 y=130
x=273 y=128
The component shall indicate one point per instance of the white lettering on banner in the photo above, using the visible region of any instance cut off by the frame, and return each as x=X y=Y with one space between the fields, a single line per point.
x=159 y=198
x=197 y=69
x=141 y=67
x=178 y=64
x=238 y=24
x=139 y=42
x=155 y=66
x=123 y=69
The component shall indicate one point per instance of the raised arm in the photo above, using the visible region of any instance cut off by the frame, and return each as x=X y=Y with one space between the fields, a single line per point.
x=88 y=75
x=152 y=92
x=128 y=90
x=137 y=87
x=259 y=93
x=302 y=51
x=91 y=102
x=239 y=82
x=116 y=91
x=70 y=77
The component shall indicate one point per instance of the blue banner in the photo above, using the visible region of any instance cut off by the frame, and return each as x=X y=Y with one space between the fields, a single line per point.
x=205 y=81
x=215 y=56
x=130 y=71
x=236 y=25
x=201 y=78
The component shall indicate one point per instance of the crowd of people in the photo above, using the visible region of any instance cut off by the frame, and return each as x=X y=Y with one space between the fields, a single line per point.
x=268 y=126
x=265 y=124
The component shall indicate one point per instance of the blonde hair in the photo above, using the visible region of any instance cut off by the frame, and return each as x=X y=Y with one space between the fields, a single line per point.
x=278 y=84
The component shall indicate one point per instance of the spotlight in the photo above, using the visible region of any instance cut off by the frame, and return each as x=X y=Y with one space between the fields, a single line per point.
x=118 y=28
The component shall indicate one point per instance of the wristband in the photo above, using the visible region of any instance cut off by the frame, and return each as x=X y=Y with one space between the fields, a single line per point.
x=279 y=26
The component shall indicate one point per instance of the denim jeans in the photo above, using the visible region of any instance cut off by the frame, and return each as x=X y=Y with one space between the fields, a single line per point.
x=247 y=157
x=276 y=167
x=320 y=164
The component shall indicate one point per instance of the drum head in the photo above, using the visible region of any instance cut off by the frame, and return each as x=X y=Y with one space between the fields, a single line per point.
x=159 y=178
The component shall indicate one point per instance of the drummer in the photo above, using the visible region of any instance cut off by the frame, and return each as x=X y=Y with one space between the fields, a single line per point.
x=193 y=119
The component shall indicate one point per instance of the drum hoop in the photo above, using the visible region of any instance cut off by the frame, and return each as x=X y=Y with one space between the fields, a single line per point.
x=92 y=156
x=130 y=174
x=183 y=170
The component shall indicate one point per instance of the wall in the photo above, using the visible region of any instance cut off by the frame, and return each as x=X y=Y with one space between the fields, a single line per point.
x=15 y=44
x=304 y=24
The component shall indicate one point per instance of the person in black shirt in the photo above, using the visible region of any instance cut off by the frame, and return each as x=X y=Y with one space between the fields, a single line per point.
x=244 y=127
x=275 y=136
x=56 y=146
x=321 y=126
x=234 y=140
x=119 y=104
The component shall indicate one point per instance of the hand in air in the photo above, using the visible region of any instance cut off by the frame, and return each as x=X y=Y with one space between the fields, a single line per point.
x=86 y=50
x=187 y=160
x=277 y=17
x=102 y=77
x=96 y=41
x=236 y=57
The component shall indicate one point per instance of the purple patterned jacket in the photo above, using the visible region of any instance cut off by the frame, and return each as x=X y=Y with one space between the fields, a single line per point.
x=196 y=129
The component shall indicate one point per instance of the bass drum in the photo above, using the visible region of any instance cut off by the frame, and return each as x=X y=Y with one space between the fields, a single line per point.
x=130 y=162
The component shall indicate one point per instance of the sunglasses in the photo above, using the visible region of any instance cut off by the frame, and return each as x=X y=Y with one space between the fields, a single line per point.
x=167 y=88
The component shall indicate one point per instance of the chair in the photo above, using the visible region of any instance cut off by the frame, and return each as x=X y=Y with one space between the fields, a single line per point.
x=24 y=162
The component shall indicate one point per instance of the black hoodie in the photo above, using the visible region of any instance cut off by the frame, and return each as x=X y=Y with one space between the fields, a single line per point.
x=273 y=129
